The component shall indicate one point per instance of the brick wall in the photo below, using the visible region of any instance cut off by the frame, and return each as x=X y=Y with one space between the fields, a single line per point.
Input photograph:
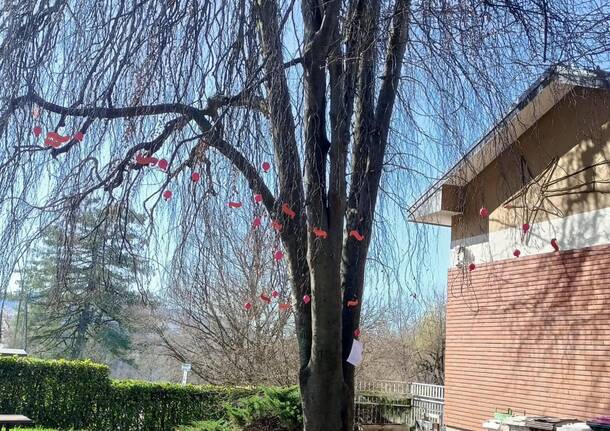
x=531 y=334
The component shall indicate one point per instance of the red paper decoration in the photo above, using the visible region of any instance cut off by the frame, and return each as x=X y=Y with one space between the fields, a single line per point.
x=353 y=303
x=357 y=332
x=266 y=167
x=256 y=222
x=143 y=160
x=285 y=307
x=163 y=164
x=258 y=198
x=247 y=306
x=288 y=211
x=484 y=212
x=167 y=195
x=355 y=234
x=37 y=131
x=517 y=252
x=525 y=227
x=554 y=244
x=36 y=112
x=306 y=299
x=195 y=177
x=55 y=140
x=276 y=225
x=265 y=298
x=472 y=267
x=235 y=205
x=79 y=136
x=278 y=255
x=320 y=233
x=275 y=293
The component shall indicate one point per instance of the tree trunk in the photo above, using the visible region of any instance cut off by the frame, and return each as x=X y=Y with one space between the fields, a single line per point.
x=322 y=381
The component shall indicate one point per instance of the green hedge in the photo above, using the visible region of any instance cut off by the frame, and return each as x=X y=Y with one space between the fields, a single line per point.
x=80 y=395
x=58 y=394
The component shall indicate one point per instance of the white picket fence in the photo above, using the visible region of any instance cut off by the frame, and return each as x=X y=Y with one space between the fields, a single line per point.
x=394 y=402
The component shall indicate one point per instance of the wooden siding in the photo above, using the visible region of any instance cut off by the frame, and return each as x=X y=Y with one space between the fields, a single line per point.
x=531 y=334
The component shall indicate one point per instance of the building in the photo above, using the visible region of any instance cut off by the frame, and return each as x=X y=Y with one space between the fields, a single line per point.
x=528 y=327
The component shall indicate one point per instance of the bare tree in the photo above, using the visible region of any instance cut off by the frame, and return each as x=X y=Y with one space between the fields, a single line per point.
x=216 y=88
x=229 y=310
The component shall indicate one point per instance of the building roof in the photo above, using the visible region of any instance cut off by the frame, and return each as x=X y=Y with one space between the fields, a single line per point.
x=438 y=203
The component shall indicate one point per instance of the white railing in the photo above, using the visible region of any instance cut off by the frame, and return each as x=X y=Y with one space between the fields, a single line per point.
x=428 y=403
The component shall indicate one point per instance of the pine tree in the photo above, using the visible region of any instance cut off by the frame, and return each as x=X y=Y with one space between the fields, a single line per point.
x=82 y=282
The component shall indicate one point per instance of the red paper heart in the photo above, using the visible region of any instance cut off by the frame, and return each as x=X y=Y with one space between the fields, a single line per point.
x=353 y=303
x=37 y=131
x=266 y=167
x=357 y=333
x=484 y=212
x=517 y=252
x=79 y=136
x=256 y=222
x=555 y=244
x=525 y=227
x=195 y=177
x=275 y=293
x=276 y=225
x=57 y=137
x=235 y=205
x=163 y=164
x=265 y=298
x=285 y=307
x=306 y=299
x=471 y=267
x=356 y=235
x=278 y=255
x=167 y=195
x=247 y=306
x=258 y=198
x=52 y=143
x=320 y=233
x=288 y=211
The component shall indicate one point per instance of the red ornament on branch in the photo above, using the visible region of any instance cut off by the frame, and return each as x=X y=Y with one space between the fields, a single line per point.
x=357 y=332
x=163 y=164
x=256 y=223
x=247 y=306
x=525 y=227
x=167 y=195
x=266 y=167
x=265 y=298
x=471 y=267
x=275 y=293
x=484 y=212
x=356 y=235
x=79 y=136
x=276 y=225
x=306 y=299
x=284 y=307
x=278 y=255
x=555 y=244
x=288 y=211
x=353 y=303
x=195 y=177
x=320 y=233
x=37 y=131
x=258 y=198
x=517 y=252
x=235 y=204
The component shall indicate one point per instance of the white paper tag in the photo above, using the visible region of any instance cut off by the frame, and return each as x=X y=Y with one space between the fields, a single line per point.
x=355 y=356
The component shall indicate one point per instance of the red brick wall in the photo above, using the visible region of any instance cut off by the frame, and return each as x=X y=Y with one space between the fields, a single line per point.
x=531 y=334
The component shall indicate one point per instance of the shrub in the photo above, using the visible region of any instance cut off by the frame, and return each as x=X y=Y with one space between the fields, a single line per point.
x=80 y=395
x=217 y=425
x=275 y=409
x=57 y=394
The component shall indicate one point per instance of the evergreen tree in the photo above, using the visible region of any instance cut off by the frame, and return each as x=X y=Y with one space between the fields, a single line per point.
x=82 y=283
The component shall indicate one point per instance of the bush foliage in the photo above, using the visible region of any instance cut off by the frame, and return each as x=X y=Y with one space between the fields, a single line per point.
x=275 y=409
x=80 y=395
